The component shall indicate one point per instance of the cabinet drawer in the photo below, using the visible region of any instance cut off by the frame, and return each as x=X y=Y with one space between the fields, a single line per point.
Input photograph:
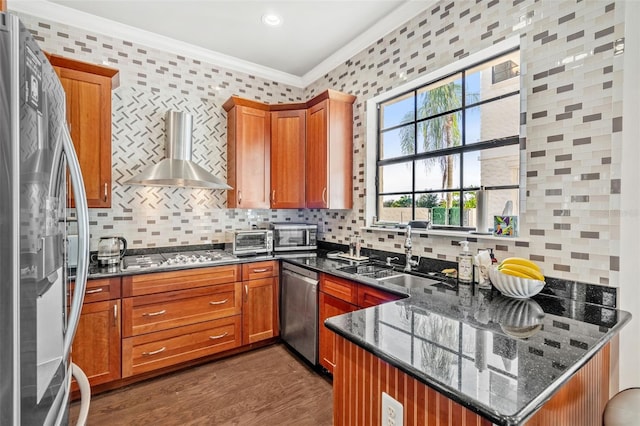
x=371 y=296
x=137 y=285
x=100 y=289
x=256 y=270
x=164 y=348
x=342 y=289
x=146 y=314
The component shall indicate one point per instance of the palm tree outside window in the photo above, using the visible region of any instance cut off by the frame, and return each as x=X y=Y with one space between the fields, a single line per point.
x=440 y=143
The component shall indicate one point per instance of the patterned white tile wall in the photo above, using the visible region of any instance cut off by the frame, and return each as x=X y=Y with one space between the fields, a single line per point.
x=152 y=82
x=571 y=108
x=571 y=128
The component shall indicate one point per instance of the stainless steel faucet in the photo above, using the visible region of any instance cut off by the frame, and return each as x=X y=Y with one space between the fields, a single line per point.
x=407 y=250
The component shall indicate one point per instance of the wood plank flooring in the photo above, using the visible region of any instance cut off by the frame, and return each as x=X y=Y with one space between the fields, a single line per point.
x=265 y=387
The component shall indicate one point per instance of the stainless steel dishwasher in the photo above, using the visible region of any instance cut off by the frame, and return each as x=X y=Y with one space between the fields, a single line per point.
x=299 y=310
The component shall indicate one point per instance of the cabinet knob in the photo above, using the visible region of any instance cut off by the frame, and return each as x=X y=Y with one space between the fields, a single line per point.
x=273 y=196
x=239 y=197
x=324 y=194
x=106 y=193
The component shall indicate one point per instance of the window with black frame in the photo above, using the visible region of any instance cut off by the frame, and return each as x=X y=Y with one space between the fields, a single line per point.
x=441 y=142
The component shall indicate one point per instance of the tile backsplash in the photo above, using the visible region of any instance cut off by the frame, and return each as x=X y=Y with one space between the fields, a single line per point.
x=571 y=129
x=571 y=124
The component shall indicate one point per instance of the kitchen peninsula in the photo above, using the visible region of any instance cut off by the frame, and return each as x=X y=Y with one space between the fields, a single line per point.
x=452 y=354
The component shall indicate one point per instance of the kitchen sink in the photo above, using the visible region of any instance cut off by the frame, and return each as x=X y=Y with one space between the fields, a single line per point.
x=409 y=281
x=370 y=271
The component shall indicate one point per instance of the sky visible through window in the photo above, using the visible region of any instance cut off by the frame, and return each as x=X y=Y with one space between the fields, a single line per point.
x=395 y=114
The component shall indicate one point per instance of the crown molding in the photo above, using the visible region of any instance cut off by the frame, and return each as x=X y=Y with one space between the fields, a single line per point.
x=75 y=18
x=393 y=20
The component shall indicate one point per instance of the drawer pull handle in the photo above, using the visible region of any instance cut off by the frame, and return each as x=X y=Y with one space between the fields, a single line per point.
x=154 y=314
x=154 y=352
x=220 y=302
x=94 y=291
x=219 y=336
x=261 y=270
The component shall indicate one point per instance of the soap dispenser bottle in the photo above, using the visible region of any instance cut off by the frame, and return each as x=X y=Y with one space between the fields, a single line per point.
x=465 y=264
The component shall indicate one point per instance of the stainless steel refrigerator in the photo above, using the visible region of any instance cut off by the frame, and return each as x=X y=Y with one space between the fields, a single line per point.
x=38 y=317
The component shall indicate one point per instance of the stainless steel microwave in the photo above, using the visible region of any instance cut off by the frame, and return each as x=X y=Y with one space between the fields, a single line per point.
x=249 y=241
x=294 y=236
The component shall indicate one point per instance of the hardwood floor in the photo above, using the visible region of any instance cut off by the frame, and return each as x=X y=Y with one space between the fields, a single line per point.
x=265 y=387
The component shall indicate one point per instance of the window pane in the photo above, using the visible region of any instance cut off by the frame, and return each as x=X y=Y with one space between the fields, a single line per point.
x=425 y=203
x=397 y=111
x=395 y=177
x=493 y=120
x=441 y=132
x=493 y=78
x=492 y=167
x=438 y=173
x=397 y=142
x=395 y=208
x=441 y=96
x=496 y=200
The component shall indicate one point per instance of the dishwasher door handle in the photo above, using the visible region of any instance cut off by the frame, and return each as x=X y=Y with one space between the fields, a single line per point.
x=300 y=277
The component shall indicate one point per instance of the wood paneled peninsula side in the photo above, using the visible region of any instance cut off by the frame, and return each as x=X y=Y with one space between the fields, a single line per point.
x=453 y=354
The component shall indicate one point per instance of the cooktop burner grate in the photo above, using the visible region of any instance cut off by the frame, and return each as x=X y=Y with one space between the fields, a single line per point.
x=175 y=259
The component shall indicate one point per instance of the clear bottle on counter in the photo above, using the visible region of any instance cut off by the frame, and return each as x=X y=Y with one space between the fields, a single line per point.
x=465 y=264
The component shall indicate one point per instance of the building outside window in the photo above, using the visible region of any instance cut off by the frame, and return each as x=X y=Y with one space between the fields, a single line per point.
x=437 y=144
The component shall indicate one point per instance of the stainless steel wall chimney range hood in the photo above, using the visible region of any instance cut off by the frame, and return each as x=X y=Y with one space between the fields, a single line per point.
x=177 y=169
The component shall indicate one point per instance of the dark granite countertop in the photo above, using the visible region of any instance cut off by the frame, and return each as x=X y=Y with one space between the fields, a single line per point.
x=500 y=357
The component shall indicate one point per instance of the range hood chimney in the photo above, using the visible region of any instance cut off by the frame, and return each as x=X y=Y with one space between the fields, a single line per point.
x=177 y=169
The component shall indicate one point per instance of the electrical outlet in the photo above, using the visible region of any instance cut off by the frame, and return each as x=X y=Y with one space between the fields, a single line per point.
x=320 y=227
x=392 y=411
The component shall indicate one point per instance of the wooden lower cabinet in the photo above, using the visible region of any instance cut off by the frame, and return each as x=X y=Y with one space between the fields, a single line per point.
x=339 y=296
x=163 y=311
x=96 y=347
x=259 y=310
x=152 y=351
x=370 y=296
x=330 y=306
x=147 y=324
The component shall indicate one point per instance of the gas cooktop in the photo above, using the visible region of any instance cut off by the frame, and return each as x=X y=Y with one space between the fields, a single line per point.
x=177 y=259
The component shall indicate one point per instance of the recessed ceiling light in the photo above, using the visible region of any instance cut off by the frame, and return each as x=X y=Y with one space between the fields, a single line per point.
x=271 y=19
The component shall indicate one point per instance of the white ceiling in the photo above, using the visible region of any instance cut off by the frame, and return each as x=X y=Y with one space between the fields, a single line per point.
x=315 y=36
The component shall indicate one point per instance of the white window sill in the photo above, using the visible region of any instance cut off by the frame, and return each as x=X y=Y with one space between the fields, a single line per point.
x=446 y=233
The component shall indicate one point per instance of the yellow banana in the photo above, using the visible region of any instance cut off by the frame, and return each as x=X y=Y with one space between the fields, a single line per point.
x=525 y=270
x=520 y=261
x=518 y=274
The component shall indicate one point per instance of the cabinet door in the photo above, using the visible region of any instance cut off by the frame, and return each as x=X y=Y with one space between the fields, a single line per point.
x=249 y=158
x=329 y=307
x=288 y=159
x=316 y=161
x=370 y=296
x=259 y=310
x=96 y=347
x=89 y=117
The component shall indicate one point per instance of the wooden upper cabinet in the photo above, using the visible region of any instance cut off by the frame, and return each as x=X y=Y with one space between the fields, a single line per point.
x=288 y=130
x=329 y=152
x=308 y=149
x=3 y=6
x=248 y=154
x=88 y=92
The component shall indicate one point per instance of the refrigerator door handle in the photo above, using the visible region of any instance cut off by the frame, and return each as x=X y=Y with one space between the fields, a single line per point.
x=82 y=214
